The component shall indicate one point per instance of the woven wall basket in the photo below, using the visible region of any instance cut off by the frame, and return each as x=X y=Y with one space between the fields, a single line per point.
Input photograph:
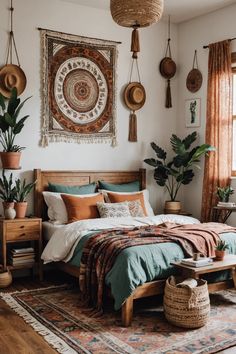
x=136 y=12
x=185 y=307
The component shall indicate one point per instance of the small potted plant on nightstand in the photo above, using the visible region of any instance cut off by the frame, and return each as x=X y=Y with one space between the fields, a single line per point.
x=21 y=191
x=220 y=250
x=7 y=193
x=10 y=126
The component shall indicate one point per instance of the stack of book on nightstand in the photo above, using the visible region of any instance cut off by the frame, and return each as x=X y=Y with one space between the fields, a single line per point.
x=202 y=262
x=22 y=256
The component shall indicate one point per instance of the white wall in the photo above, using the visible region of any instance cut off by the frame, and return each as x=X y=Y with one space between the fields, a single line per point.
x=154 y=121
x=193 y=35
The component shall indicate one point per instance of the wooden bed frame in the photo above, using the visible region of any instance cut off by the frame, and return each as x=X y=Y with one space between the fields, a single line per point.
x=84 y=177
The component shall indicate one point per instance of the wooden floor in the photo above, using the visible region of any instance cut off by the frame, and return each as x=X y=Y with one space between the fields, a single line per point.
x=16 y=337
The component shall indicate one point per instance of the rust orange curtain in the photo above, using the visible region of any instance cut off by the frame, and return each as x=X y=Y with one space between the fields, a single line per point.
x=217 y=170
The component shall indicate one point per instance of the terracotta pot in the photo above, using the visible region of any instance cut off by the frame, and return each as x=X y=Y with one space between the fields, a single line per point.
x=20 y=209
x=172 y=207
x=10 y=160
x=5 y=278
x=220 y=255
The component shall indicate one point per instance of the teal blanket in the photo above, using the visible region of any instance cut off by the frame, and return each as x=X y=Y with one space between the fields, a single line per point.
x=137 y=265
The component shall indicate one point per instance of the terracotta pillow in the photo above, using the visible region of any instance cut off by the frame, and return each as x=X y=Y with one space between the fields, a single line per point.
x=119 y=198
x=81 y=208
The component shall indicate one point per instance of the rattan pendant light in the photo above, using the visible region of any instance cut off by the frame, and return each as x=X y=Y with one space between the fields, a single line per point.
x=136 y=14
x=141 y=13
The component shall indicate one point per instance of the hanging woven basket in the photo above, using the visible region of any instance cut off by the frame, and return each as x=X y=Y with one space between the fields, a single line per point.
x=136 y=12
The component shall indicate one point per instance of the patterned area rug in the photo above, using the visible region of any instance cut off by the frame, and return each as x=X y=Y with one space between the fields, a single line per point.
x=54 y=313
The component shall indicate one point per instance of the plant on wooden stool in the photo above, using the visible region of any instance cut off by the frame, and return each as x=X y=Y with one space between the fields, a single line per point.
x=220 y=249
x=224 y=193
x=21 y=191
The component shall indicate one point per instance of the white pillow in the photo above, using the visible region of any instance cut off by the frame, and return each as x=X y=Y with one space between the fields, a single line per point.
x=57 y=212
x=145 y=193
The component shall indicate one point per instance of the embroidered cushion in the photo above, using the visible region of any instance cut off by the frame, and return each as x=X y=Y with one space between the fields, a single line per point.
x=135 y=208
x=80 y=208
x=113 y=210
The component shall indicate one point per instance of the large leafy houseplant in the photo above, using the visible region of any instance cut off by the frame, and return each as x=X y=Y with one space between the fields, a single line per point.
x=10 y=126
x=178 y=171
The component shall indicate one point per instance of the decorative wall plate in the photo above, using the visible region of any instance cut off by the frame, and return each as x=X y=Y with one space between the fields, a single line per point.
x=194 y=80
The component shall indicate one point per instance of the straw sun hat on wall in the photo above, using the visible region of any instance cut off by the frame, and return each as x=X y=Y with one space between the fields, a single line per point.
x=12 y=76
x=134 y=96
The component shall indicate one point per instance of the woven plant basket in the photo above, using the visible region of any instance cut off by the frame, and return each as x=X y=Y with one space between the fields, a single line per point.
x=186 y=307
x=136 y=12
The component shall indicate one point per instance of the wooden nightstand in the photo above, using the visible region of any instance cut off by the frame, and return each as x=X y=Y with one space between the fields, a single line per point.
x=27 y=230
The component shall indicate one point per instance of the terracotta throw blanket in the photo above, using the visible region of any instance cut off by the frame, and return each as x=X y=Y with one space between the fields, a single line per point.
x=101 y=250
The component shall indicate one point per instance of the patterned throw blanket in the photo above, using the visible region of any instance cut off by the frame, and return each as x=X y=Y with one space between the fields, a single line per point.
x=101 y=250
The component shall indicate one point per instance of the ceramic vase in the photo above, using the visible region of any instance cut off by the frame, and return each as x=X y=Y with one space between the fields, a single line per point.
x=10 y=213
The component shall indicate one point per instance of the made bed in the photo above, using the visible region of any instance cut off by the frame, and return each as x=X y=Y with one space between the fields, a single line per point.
x=148 y=271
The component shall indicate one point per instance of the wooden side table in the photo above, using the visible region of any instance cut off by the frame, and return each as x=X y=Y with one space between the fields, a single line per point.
x=229 y=262
x=27 y=230
x=221 y=214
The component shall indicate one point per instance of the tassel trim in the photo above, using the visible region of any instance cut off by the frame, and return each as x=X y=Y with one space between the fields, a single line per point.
x=133 y=128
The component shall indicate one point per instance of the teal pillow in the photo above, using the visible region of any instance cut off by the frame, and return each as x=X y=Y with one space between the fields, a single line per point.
x=60 y=188
x=123 y=187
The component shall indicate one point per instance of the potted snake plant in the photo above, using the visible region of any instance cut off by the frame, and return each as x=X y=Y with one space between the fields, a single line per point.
x=10 y=126
x=220 y=250
x=7 y=191
x=21 y=191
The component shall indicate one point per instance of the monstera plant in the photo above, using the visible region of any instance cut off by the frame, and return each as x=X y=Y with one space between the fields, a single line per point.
x=177 y=171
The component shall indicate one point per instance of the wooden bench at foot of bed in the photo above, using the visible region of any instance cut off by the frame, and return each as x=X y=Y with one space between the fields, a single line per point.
x=148 y=289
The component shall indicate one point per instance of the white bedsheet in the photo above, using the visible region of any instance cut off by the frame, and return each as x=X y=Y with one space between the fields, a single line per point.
x=49 y=229
x=62 y=244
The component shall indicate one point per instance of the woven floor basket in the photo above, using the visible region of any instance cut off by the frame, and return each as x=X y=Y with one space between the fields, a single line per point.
x=185 y=307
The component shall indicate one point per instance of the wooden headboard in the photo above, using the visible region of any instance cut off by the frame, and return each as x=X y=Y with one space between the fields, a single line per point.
x=78 y=178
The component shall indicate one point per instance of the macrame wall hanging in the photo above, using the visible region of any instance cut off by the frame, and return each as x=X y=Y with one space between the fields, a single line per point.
x=194 y=78
x=168 y=69
x=135 y=14
x=11 y=75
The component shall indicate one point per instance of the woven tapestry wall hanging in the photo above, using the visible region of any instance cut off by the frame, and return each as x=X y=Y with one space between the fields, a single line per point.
x=78 y=89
